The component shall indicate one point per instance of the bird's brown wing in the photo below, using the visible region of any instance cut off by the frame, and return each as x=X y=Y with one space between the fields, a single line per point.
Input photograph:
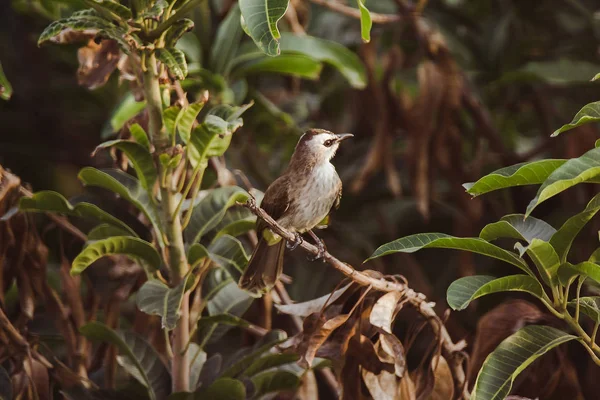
x=276 y=201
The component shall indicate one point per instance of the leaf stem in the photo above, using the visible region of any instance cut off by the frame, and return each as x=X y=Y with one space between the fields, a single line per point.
x=188 y=215
x=579 y=284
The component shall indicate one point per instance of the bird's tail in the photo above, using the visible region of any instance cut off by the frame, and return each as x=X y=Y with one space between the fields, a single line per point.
x=264 y=268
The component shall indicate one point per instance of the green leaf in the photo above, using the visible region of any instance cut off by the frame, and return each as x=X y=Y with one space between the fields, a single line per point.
x=197 y=360
x=464 y=290
x=5 y=87
x=287 y=64
x=140 y=136
x=562 y=71
x=227 y=41
x=186 y=120
x=564 y=237
x=140 y=157
x=208 y=324
x=211 y=138
x=128 y=188
x=273 y=338
x=211 y=209
x=125 y=245
x=275 y=381
x=140 y=360
x=512 y=356
x=260 y=19
x=223 y=389
x=531 y=173
x=5 y=385
x=48 y=201
x=196 y=253
x=586 y=269
x=228 y=252
x=365 y=21
x=515 y=226
x=546 y=260
x=174 y=60
x=237 y=221
x=112 y=7
x=156 y=298
x=171 y=117
x=270 y=361
x=335 y=54
x=105 y=231
x=155 y=11
x=230 y=113
x=574 y=171
x=596 y=77
x=410 y=244
x=589 y=113
x=590 y=306
x=127 y=109
x=177 y=31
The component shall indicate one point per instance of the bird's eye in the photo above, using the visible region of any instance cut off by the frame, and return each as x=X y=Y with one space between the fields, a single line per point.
x=328 y=143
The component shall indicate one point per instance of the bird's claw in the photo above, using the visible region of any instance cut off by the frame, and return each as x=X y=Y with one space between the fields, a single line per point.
x=322 y=250
x=297 y=241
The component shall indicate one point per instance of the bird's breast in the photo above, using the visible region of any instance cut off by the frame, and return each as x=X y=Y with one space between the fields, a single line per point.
x=312 y=198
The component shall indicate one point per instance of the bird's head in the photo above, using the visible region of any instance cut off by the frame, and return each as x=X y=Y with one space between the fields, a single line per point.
x=320 y=144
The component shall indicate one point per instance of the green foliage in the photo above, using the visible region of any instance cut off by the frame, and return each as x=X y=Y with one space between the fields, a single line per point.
x=589 y=113
x=140 y=157
x=126 y=110
x=512 y=356
x=260 y=19
x=174 y=60
x=365 y=21
x=156 y=298
x=5 y=87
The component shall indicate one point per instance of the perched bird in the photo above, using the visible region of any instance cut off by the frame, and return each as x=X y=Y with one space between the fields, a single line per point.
x=298 y=200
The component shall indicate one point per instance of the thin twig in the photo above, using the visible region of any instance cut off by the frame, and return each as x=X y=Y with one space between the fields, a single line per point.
x=452 y=352
x=355 y=13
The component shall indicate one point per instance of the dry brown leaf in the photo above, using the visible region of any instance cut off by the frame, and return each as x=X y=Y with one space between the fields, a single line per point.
x=97 y=62
x=407 y=390
x=308 y=389
x=313 y=306
x=443 y=388
x=384 y=386
x=383 y=312
x=391 y=345
x=318 y=337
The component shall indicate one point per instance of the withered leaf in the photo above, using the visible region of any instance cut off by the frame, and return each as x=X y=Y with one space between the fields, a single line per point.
x=383 y=386
x=315 y=340
x=443 y=388
x=97 y=62
x=313 y=306
x=391 y=345
x=383 y=311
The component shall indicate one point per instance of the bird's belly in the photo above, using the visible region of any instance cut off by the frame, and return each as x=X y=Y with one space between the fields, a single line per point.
x=313 y=202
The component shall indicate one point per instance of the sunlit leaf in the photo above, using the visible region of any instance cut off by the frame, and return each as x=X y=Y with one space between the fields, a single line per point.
x=5 y=87
x=518 y=227
x=365 y=21
x=586 y=269
x=171 y=117
x=174 y=60
x=512 y=356
x=260 y=19
x=574 y=171
x=140 y=157
x=464 y=290
x=287 y=64
x=124 y=245
x=127 y=187
x=564 y=237
x=545 y=259
x=139 y=135
x=590 y=306
x=410 y=244
x=156 y=298
x=211 y=138
x=48 y=201
x=589 y=113
x=211 y=209
x=531 y=173
x=186 y=120
x=138 y=357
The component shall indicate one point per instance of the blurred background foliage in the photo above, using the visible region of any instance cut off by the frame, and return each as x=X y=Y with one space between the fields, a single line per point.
x=454 y=91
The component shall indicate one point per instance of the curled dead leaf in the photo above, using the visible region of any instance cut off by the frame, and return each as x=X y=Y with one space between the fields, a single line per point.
x=97 y=61
x=384 y=310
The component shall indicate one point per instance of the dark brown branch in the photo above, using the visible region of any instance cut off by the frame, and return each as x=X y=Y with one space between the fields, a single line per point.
x=355 y=13
x=450 y=350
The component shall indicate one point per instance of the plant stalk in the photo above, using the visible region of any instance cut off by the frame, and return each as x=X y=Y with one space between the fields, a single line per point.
x=175 y=251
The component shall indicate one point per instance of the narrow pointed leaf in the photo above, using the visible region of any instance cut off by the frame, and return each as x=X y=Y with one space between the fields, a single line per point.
x=365 y=21
x=516 y=226
x=574 y=171
x=590 y=306
x=156 y=298
x=464 y=290
x=211 y=209
x=564 y=237
x=260 y=19
x=586 y=269
x=174 y=60
x=589 y=113
x=186 y=120
x=512 y=356
x=128 y=188
x=139 y=358
x=48 y=201
x=413 y=243
x=139 y=135
x=123 y=245
x=5 y=87
x=140 y=157
x=531 y=173
x=227 y=41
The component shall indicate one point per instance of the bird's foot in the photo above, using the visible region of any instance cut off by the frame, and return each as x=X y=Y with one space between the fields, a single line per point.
x=297 y=241
x=320 y=245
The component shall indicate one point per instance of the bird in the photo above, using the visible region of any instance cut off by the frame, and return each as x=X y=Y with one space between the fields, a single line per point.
x=298 y=200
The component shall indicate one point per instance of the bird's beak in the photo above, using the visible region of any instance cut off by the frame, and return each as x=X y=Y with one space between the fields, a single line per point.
x=343 y=136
